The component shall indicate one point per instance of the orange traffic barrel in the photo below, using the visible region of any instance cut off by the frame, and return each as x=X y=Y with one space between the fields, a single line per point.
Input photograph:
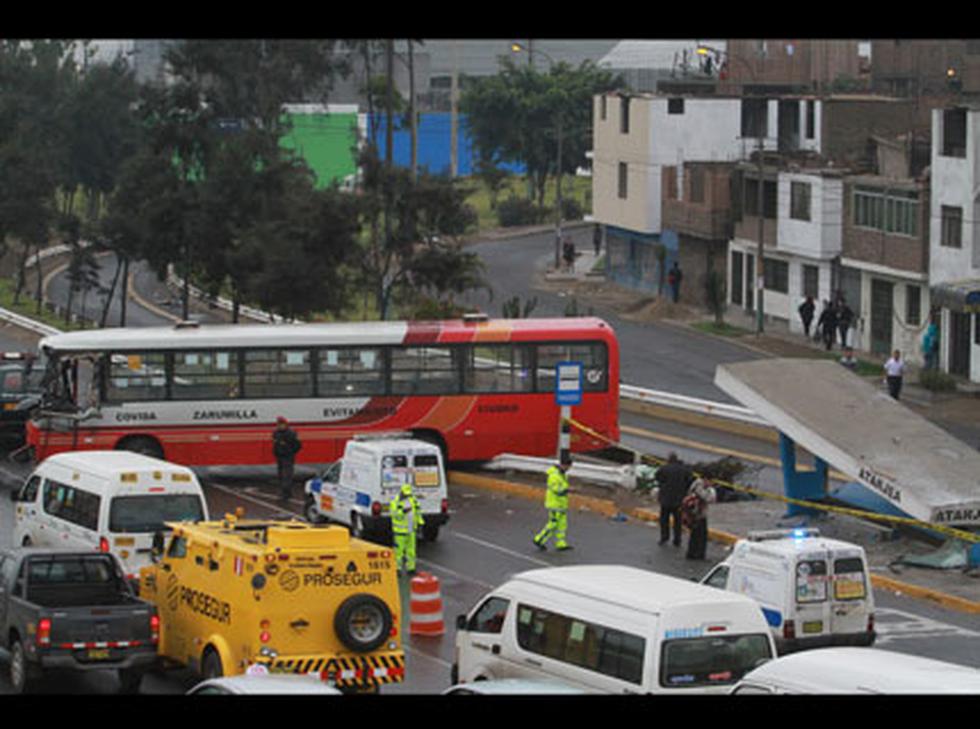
x=425 y=614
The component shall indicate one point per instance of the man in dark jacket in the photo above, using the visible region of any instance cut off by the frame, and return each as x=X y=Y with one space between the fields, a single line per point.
x=806 y=314
x=285 y=446
x=673 y=479
x=845 y=317
x=827 y=324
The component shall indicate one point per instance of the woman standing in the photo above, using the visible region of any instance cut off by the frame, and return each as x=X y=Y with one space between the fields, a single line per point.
x=694 y=510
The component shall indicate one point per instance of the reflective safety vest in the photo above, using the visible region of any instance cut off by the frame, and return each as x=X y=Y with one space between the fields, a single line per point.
x=406 y=515
x=557 y=495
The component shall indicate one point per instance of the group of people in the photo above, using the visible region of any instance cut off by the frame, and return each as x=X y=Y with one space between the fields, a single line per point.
x=835 y=319
x=683 y=499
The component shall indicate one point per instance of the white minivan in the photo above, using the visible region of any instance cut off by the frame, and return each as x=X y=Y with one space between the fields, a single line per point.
x=851 y=670
x=813 y=591
x=112 y=501
x=357 y=490
x=611 y=629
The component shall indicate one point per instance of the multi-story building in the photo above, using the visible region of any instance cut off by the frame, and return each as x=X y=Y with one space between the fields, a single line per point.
x=884 y=264
x=801 y=238
x=954 y=236
x=788 y=66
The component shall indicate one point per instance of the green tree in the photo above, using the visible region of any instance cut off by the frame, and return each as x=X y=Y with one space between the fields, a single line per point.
x=518 y=114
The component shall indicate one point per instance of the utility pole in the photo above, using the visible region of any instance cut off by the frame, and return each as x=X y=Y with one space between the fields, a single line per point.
x=454 y=114
x=411 y=110
x=760 y=260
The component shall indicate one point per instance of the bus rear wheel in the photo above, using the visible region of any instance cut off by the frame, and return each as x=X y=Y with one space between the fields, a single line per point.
x=143 y=445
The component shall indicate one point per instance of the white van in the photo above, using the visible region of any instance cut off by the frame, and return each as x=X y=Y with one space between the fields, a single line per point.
x=358 y=489
x=611 y=629
x=113 y=501
x=858 y=671
x=813 y=591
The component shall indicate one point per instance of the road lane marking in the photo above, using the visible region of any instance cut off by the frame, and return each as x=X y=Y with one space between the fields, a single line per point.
x=504 y=550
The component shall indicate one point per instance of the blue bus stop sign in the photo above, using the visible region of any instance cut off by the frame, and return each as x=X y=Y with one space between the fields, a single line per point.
x=568 y=383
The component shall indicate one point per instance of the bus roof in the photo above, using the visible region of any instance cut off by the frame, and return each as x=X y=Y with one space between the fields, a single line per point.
x=629 y=587
x=308 y=335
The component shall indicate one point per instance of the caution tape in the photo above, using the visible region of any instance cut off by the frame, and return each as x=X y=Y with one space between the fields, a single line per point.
x=907 y=521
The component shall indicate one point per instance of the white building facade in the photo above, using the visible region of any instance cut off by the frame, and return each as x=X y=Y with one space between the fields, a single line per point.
x=954 y=247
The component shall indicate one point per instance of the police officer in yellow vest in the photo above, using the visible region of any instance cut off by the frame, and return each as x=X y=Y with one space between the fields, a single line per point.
x=406 y=518
x=556 y=502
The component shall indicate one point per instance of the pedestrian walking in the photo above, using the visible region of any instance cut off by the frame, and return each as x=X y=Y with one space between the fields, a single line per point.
x=406 y=520
x=673 y=480
x=285 y=446
x=694 y=511
x=894 y=370
x=568 y=254
x=556 y=502
x=597 y=240
x=827 y=324
x=806 y=311
x=930 y=346
x=674 y=278
x=845 y=317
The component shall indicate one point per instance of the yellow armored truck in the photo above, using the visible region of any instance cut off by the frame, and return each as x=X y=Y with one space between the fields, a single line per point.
x=287 y=595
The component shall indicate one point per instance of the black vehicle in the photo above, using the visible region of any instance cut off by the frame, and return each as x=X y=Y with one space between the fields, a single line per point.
x=70 y=610
x=20 y=393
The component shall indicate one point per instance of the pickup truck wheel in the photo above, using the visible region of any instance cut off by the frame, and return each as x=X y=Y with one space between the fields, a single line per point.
x=363 y=623
x=311 y=512
x=20 y=672
x=430 y=533
x=211 y=665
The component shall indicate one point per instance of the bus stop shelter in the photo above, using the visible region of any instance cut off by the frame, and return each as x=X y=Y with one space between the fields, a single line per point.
x=901 y=463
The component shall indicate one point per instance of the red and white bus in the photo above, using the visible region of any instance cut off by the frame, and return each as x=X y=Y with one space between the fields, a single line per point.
x=210 y=395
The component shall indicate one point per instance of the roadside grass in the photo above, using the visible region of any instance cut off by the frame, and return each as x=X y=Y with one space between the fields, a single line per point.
x=27 y=306
x=572 y=187
x=723 y=329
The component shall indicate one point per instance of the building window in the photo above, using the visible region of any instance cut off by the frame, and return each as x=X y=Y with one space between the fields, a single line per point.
x=776 y=275
x=624 y=114
x=602 y=108
x=622 y=180
x=675 y=106
x=891 y=211
x=951 y=234
x=954 y=133
x=751 y=198
x=811 y=281
x=799 y=202
x=811 y=125
x=754 y=117
x=913 y=305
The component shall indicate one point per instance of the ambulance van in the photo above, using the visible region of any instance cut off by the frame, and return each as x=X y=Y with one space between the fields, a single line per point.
x=293 y=598
x=357 y=490
x=113 y=501
x=813 y=591
x=611 y=629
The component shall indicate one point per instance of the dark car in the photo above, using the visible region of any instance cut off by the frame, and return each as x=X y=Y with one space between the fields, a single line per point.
x=20 y=393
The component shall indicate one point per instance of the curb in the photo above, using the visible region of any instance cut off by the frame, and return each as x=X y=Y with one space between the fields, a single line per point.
x=608 y=508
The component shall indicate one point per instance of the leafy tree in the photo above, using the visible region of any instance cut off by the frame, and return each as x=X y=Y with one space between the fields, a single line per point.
x=413 y=231
x=518 y=114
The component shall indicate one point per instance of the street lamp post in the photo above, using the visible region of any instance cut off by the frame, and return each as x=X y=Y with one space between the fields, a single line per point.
x=516 y=48
x=704 y=50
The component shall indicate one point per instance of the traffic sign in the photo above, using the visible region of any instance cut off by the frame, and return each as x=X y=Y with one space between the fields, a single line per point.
x=568 y=383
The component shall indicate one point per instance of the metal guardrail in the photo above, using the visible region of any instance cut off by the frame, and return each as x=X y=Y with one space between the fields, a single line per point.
x=691 y=404
x=622 y=476
x=27 y=323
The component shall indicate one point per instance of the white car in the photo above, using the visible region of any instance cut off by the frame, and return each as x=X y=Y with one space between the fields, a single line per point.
x=511 y=686
x=848 y=670
x=263 y=684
